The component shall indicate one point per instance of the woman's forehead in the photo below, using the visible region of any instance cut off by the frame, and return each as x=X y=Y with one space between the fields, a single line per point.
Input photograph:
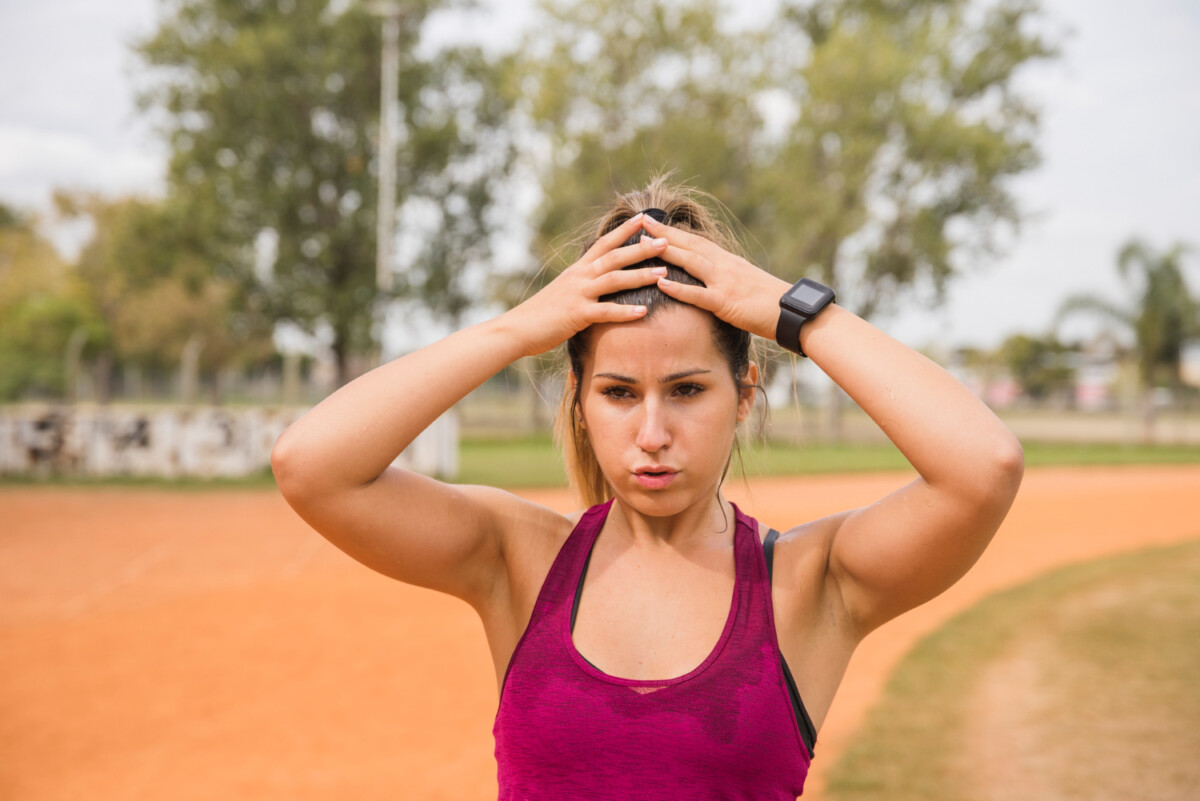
x=674 y=340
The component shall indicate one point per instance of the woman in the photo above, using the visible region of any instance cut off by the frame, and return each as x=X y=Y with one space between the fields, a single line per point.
x=662 y=644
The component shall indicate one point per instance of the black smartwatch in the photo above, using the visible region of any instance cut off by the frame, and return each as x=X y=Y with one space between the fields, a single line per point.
x=798 y=305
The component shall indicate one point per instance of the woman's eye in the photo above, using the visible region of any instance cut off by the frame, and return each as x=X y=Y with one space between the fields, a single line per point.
x=689 y=390
x=619 y=393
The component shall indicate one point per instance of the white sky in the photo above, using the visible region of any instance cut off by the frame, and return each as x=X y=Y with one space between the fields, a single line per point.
x=1120 y=141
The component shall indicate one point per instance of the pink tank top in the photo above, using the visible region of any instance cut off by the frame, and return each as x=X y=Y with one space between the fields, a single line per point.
x=726 y=730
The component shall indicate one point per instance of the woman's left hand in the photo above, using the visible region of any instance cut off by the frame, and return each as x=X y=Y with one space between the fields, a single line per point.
x=735 y=290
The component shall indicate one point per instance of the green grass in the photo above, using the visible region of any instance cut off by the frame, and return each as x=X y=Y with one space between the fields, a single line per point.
x=533 y=461
x=1106 y=656
x=256 y=481
x=1041 y=454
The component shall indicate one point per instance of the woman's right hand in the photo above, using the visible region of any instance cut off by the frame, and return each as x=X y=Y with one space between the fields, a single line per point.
x=571 y=302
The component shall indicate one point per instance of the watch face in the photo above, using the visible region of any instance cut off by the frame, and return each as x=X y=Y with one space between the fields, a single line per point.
x=808 y=297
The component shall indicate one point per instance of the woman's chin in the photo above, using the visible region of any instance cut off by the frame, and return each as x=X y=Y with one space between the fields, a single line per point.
x=667 y=502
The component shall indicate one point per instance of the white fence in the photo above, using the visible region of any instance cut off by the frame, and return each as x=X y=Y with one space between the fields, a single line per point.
x=172 y=442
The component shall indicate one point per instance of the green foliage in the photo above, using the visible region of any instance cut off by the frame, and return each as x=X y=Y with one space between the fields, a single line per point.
x=271 y=109
x=153 y=284
x=902 y=126
x=9 y=218
x=622 y=90
x=908 y=134
x=1040 y=365
x=1161 y=313
x=41 y=305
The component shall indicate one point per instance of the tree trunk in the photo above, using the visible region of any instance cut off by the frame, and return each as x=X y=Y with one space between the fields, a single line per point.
x=189 y=369
x=131 y=380
x=104 y=368
x=342 y=361
x=75 y=345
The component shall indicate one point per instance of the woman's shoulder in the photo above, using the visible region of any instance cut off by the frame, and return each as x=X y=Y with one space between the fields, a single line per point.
x=530 y=533
x=812 y=534
x=517 y=517
x=801 y=552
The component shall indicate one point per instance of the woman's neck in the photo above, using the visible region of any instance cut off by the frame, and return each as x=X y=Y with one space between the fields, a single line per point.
x=694 y=525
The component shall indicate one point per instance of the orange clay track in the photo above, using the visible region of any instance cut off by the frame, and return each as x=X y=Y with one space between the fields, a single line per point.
x=201 y=645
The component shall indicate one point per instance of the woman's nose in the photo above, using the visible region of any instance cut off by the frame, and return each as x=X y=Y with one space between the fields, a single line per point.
x=653 y=433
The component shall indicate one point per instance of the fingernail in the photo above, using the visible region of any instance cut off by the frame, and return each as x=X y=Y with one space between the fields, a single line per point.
x=662 y=281
x=659 y=270
x=637 y=216
x=640 y=309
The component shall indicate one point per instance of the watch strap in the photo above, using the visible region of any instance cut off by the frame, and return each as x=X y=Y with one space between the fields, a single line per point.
x=787 y=330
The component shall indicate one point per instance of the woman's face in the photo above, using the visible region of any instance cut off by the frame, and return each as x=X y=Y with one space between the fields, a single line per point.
x=660 y=407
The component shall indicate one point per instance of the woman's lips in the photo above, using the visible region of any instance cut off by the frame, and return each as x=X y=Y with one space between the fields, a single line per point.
x=655 y=478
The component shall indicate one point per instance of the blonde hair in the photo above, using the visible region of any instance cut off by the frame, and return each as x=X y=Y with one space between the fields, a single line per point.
x=685 y=208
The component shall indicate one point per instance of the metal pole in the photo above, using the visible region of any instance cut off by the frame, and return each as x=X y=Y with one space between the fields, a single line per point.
x=389 y=118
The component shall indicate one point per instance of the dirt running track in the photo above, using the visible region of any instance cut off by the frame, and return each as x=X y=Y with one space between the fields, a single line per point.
x=170 y=645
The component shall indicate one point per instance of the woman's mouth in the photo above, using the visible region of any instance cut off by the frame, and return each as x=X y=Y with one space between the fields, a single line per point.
x=655 y=477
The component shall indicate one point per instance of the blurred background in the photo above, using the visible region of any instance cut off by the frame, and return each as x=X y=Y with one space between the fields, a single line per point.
x=191 y=190
x=215 y=212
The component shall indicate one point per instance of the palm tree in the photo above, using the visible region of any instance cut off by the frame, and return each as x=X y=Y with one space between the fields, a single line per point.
x=1159 y=311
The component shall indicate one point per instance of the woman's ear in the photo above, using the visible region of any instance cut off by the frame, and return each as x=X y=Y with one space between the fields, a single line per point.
x=747 y=392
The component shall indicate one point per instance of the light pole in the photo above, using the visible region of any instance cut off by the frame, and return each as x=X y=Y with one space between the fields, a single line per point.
x=389 y=119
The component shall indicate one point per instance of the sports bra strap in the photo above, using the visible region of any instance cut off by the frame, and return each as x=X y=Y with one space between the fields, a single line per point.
x=808 y=732
x=769 y=552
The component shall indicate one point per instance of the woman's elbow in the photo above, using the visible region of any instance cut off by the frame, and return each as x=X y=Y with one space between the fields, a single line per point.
x=1005 y=467
x=286 y=463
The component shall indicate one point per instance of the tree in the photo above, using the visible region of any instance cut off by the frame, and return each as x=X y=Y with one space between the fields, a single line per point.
x=909 y=129
x=1039 y=365
x=1160 y=313
x=869 y=144
x=619 y=91
x=271 y=108
x=41 y=306
x=905 y=126
x=148 y=275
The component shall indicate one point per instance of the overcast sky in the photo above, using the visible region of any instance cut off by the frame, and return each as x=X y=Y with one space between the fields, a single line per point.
x=1120 y=140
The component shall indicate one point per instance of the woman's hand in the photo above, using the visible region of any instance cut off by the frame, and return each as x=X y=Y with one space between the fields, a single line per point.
x=735 y=290
x=571 y=302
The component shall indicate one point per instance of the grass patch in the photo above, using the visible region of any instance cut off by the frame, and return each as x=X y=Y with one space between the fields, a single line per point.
x=534 y=461
x=1054 y=689
x=1040 y=454
x=263 y=479
x=530 y=461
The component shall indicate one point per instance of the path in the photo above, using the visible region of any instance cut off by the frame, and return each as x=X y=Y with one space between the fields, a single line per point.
x=207 y=644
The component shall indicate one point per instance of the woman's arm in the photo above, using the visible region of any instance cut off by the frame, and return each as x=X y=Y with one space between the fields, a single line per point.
x=911 y=545
x=333 y=465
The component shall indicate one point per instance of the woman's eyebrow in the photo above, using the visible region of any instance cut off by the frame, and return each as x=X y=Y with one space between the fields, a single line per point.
x=683 y=374
x=624 y=379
